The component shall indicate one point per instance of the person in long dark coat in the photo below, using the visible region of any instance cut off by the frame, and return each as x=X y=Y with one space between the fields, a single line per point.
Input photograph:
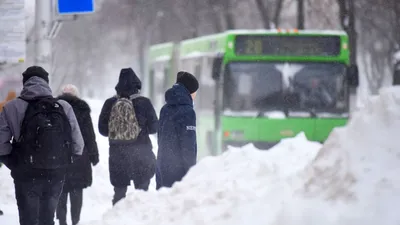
x=131 y=161
x=177 y=144
x=79 y=174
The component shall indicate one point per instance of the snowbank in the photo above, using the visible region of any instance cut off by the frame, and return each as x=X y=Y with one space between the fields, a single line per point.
x=353 y=179
x=217 y=185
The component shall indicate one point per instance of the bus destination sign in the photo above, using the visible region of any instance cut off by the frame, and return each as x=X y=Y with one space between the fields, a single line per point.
x=287 y=45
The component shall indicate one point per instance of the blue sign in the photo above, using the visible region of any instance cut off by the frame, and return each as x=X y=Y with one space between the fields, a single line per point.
x=68 y=7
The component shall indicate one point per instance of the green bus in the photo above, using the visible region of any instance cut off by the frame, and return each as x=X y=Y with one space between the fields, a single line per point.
x=260 y=86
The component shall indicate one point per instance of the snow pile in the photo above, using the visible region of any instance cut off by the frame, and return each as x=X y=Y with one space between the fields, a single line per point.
x=353 y=179
x=217 y=185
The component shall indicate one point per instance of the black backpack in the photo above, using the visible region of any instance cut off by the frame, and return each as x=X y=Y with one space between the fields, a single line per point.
x=46 y=140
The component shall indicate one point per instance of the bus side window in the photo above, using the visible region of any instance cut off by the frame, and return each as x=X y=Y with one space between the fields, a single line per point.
x=151 y=84
x=166 y=75
x=159 y=83
x=207 y=85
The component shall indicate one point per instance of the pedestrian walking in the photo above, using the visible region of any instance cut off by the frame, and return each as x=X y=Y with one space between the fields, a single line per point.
x=128 y=119
x=39 y=138
x=79 y=174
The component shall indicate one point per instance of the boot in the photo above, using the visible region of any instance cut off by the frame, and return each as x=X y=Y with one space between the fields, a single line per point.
x=1 y=213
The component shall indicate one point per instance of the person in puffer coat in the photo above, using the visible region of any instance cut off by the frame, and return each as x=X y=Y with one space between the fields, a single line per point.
x=79 y=174
x=134 y=160
x=177 y=147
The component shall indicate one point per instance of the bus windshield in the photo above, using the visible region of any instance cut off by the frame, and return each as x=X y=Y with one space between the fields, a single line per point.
x=252 y=86
x=263 y=86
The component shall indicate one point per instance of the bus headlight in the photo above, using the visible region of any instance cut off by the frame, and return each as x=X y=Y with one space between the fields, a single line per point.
x=234 y=134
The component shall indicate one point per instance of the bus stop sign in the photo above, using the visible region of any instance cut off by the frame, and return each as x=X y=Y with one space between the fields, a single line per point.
x=71 y=7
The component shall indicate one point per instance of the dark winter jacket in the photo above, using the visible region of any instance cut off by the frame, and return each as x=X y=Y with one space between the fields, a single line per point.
x=177 y=147
x=134 y=161
x=10 y=126
x=79 y=174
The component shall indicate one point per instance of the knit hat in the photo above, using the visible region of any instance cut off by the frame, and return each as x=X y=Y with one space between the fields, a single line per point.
x=70 y=89
x=188 y=80
x=35 y=71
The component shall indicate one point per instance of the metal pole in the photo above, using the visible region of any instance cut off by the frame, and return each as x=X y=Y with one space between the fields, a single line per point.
x=43 y=25
x=145 y=65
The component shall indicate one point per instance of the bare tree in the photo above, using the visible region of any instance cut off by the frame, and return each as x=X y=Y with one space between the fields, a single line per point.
x=264 y=14
x=277 y=14
x=214 y=15
x=300 y=14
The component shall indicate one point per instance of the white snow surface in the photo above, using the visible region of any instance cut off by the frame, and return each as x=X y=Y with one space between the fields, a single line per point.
x=352 y=179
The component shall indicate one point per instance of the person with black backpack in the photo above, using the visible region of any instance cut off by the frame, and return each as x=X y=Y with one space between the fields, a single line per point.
x=79 y=174
x=39 y=138
x=127 y=119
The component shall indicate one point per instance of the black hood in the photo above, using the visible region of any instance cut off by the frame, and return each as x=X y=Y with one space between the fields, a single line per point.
x=128 y=83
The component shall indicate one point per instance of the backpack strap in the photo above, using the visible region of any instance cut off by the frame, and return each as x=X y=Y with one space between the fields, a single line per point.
x=134 y=96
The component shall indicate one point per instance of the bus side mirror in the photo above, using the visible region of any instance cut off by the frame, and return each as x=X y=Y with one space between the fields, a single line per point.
x=216 y=67
x=396 y=74
x=352 y=75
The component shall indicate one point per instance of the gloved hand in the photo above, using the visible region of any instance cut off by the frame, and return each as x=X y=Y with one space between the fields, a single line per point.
x=94 y=159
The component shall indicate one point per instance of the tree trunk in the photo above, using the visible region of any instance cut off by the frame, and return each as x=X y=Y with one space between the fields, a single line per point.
x=196 y=21
x=263 y=13
x=348 y=22
x=300 y=14
x=278 y=10
x=352 y=32
x=230 y=24
x=214 y=16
